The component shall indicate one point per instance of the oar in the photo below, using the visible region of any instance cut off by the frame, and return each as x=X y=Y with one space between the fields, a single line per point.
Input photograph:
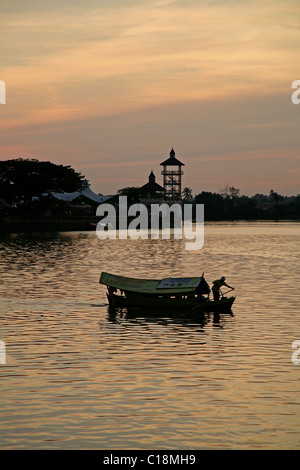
x=227 y=291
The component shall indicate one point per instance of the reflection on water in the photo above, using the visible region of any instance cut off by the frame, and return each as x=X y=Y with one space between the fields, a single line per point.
x=169 y=318
x=80 y=376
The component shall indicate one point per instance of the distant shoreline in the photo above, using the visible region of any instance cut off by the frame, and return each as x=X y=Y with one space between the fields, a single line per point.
x=86 y=223
x=47 y=224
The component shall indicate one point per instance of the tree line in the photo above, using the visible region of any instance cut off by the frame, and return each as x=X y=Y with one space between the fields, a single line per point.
x=228 y=204
x=26 y=183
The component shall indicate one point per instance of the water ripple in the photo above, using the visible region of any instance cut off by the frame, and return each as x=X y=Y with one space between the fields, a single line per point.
x=75 y=374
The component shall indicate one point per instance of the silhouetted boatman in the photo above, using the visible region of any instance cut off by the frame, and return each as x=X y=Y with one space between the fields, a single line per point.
x=217 y=284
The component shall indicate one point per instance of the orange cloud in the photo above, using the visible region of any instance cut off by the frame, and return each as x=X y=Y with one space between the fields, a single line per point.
x=82 y=63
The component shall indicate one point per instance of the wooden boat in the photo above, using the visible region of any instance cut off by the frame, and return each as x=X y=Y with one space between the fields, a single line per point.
x=180 y=294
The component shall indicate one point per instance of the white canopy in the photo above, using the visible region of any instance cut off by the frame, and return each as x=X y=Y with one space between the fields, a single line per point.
x=84 y=191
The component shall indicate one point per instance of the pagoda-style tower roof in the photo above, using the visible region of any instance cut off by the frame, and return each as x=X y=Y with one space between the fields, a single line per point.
x=152 y=186
x=172 y=160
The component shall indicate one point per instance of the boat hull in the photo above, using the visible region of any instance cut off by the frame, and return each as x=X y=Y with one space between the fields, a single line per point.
x=175 y=304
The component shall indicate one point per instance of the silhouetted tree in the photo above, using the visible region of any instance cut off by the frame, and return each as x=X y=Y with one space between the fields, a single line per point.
x=187 y=194
x=214 y=205
x=133 y=194
x=275 y=196
x=230 y=192
x=22 y=179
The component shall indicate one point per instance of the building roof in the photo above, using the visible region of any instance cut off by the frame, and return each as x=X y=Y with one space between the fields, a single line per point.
x=84 y=191
x=152 y=186
x=172 y=160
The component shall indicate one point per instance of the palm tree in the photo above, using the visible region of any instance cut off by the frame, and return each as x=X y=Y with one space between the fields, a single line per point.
x=187 y=194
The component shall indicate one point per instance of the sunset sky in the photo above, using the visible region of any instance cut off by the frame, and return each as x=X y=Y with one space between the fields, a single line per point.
x=110 y=86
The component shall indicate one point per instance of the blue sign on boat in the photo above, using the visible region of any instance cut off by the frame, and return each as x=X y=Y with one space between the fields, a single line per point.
x=179 y=282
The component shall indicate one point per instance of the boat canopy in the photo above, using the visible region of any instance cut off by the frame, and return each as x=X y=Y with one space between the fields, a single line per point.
x=156 y=286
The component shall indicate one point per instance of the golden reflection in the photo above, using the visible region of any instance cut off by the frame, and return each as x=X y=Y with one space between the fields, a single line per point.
x=76 y=372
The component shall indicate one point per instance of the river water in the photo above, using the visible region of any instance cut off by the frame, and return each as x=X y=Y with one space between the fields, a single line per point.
x=77 y=377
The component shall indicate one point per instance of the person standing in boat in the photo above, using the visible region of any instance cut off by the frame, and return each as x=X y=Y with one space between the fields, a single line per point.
x=217 y=284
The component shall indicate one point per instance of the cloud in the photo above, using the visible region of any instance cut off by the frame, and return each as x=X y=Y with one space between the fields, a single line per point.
x=125 y=80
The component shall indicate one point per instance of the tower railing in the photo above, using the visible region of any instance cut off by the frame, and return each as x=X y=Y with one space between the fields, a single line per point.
x=169 y=172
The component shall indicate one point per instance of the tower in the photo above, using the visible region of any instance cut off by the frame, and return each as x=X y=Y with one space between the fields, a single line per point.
x=151 y=192
x=172 y=178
